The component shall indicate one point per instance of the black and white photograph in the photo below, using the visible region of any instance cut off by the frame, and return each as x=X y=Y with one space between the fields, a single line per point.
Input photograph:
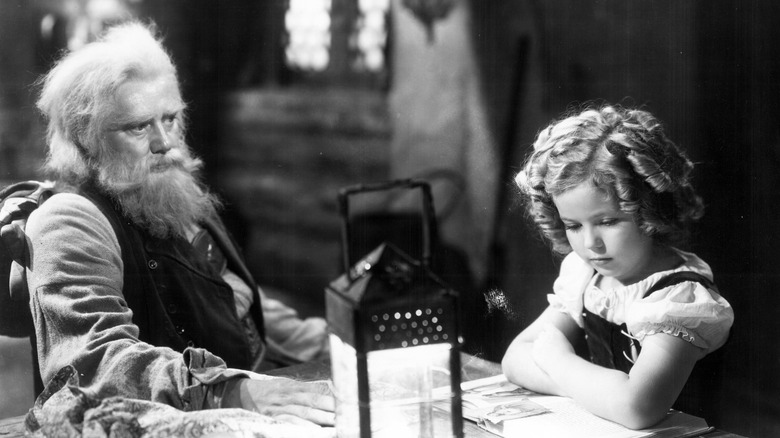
x=337 y=218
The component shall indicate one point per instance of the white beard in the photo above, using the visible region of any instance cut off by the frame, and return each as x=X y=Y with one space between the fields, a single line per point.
x=161 y=193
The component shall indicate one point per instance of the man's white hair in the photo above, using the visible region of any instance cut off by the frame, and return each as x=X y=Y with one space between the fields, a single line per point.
x=77 y=93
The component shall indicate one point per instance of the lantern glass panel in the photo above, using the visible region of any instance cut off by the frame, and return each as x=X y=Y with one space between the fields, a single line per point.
x=401 y=387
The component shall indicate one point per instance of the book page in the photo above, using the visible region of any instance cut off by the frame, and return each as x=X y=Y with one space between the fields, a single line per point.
x=567 y=420
x=499 y=401
x=532 y=414
x=679 y=425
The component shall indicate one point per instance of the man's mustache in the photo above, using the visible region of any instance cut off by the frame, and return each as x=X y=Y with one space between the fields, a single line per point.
x=174 y=158
x=163 y=163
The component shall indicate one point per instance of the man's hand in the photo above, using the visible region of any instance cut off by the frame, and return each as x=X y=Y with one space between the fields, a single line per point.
x=551 y=345
x=305 y=403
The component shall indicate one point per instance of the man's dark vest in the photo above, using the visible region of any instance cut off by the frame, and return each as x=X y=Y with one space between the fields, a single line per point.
x=178 y=300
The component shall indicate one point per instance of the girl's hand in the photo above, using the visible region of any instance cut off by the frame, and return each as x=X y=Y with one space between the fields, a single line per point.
x=551 y=345
x=520 y=361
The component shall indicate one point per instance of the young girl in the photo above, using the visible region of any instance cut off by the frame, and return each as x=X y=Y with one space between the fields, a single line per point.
x=610 y=191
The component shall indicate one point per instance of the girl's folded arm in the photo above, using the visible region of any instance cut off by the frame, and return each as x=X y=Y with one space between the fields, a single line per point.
x=638 y=399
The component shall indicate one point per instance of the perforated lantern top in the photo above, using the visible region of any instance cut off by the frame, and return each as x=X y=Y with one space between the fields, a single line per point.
x=389 y=300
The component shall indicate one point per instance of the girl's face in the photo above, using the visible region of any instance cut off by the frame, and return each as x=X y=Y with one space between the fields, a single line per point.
x=602 y=235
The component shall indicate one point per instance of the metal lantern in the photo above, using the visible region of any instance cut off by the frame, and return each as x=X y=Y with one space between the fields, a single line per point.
x=395 y=347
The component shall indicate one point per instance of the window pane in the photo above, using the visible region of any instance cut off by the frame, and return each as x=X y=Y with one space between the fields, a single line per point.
x=307 y=23
x=370 y=36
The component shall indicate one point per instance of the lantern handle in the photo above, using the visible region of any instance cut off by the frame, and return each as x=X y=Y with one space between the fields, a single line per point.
x=428 y=215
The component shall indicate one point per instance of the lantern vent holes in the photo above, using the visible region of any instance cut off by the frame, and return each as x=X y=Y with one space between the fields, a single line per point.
x=409 y=328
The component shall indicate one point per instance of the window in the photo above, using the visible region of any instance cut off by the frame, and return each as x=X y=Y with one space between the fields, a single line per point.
x=307 y=23
x=369 y=38
x=341 y=41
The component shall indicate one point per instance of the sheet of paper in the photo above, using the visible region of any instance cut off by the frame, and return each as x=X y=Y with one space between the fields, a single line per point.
x=568 y=419
x=552 y=416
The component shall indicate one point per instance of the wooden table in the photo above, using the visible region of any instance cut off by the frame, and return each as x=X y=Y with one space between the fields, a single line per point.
x=472 y=368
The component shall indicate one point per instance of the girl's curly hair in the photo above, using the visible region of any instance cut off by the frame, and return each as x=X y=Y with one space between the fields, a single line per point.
x=621 y=151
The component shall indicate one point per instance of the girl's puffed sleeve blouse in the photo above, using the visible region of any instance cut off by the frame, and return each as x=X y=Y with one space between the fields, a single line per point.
x=687 y=310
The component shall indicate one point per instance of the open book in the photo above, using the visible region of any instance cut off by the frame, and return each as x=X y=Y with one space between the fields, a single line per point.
x=507 y=410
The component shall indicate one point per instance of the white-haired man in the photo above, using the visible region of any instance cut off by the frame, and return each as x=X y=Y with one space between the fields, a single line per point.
x=133 y=279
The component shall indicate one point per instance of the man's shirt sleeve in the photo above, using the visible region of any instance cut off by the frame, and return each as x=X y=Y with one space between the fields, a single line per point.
x=81 y=318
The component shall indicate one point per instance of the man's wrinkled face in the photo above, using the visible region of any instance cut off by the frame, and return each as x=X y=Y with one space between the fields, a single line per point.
x=146 y=124
x=144 y=162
